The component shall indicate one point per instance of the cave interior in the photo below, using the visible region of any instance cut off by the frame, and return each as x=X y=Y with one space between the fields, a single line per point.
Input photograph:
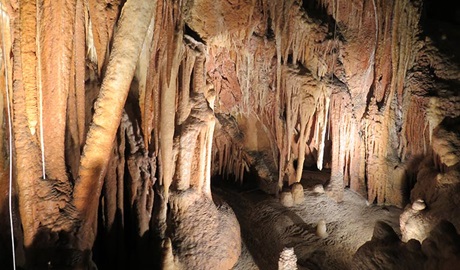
x=230 y=134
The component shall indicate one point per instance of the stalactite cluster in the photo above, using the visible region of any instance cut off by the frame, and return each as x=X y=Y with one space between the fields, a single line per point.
x=131 y=108
x=363 y=117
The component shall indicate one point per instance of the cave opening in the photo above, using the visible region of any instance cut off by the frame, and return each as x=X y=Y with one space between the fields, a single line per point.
x=245 y=135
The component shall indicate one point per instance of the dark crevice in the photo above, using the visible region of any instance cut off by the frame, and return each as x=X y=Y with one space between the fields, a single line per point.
x=192 y=33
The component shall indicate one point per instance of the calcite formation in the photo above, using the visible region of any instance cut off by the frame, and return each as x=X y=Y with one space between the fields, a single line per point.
x=287 y=260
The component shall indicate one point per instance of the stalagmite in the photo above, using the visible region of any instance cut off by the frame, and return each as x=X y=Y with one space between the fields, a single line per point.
x=321 y=230
x=318 y=189
x=286 y=199
x=287 y=260
x=168 y=262
x=297 y=193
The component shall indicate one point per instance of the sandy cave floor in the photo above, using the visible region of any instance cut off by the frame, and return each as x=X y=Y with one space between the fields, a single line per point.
x=267 y=227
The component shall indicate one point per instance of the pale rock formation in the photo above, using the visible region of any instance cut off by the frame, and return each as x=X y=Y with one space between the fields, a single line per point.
x=168 y=262
x=287 y=260
x=321 y=229
x=297 y=193
x=415 y=224
x=286 y=199
x=418 y=205
x=318 y=189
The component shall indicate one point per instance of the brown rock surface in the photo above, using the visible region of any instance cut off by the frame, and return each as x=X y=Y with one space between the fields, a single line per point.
x=386 y=251
x=440 y=250
x=204 y=236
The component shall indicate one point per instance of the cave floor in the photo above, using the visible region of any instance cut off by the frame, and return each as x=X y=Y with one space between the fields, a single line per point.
x=267 y=227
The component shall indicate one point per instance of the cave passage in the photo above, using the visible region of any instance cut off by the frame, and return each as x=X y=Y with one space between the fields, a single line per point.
x=268 y=227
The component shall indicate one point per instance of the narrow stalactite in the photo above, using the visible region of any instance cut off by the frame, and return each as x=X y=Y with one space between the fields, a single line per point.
x=104 y=15
x=76 y=127
x=29 y=61
x=168 y=91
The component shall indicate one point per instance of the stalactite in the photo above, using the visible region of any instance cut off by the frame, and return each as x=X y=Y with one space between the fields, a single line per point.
x=91 y=52
x=141 y=168
x=80 y=64
x=294 y=42
x=168 y=92
x=27 y=152
x=103 y=15
x=322 y=125
x=39 y=84
x=3 y=131
x=228 y=151
x=56 y=80
x=6 y=142
x=43 y=204
x=142 y=70
x=108 y=111
x=75 y=127
x=411 y=145
x=189 y=135
x=184 y=106
x=29 y=60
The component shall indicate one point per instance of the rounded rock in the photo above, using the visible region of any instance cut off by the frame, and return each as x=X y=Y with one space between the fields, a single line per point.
x=286 y=199
x=297 y=193
x=418 y=205
x=321 y=229
x=318 y=189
